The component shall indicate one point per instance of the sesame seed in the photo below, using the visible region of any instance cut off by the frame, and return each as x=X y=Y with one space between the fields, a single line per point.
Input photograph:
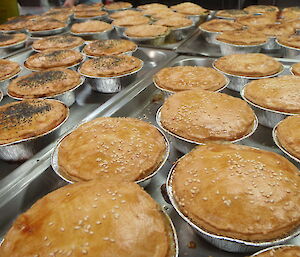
x=62 y=229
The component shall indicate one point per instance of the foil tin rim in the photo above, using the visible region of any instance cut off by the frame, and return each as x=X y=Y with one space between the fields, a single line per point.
x=90 y=18
x=289 y=47
x=13 y=76
x=145 y=38
x=39 y=32
x=241 y=46
x=269 y=248
x=207 y=31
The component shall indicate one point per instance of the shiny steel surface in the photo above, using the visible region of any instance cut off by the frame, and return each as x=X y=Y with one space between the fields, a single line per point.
x=209 y=36
x=271 y=44
x=178 y=34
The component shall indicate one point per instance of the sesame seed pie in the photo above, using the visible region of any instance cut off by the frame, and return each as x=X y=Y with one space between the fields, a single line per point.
x=91 y=26
x=11 y=39
x=8 y=69
x=254 y=20
x=189 y=8
x=125 y=13
x=44 y=23
x=261 y=9
x=273 y=30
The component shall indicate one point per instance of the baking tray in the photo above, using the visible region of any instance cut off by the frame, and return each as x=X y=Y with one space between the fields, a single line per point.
x=142 y=102
x=87 y=100
x=196 y=45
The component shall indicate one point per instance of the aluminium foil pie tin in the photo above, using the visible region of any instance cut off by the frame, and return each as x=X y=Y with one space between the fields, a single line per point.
x=110 y=11
x=5 y=82
x=223 y=242
x=76 y=48
x=271 y=44
x=49 y=32
x=94 y=35
x=83 y=19
x=8 y=49
x=128 y=53
x=198 y=19
x=142 y=182
x=210 y=36
x=178 y=34
x=227 y=48
x=155 y=41
x=185 y=145
x=289 y=52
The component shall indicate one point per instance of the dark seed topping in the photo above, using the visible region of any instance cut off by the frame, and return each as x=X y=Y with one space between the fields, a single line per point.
x=55 y=55
x=107 y=61
x=17 y=19
x=62 y=39
x=106 y=44
x=6 y=37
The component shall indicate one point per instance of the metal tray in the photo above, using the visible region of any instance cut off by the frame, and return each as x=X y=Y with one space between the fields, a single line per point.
x=196 y=45
x=142 y=101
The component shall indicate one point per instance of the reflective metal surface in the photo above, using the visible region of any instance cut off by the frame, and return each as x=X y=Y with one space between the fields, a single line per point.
x=227 y=49
x=289 y=52
x=48 y=32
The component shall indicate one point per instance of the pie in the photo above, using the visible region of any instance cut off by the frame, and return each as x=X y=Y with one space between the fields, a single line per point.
x=53 y=58
x=174 y=22
x=220 y=25
x=125 y=13
x=278 y=94
x=155 y=11
x=205 y=116
x=291 y=13
x=95 y=218
x=110 y=66
x=182 y=78
x=262 y=9
x=282 y=251
x=250 y=65
x=114 y=148
x=8 y=69
x=231 y=13
x=290 y=41
x=91 y=26
x=296 y=69
x=293 y=23
x=163 y=13
x=131 y=21
x=254 y=20
x=109 y=47
x=30 y=118
x=146 y=31
x=152 y=6
x=273 y=30
x=88 y=7
x=238 y=191
x=44 y=23
x=189 y=8
x=117 y=6
x=11 y=39
x=57 y=15
x=16 y=23
x=44 y=83
x=89 y=13
x=242 y=37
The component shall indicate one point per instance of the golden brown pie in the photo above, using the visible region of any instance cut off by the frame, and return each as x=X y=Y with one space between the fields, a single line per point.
x=250 y=65
x=131 y=21
x=88 y=7
x=174 y=22
x=296 y=69
x=117 y=6
x=273 y=30
x=29 y=118
x=89 y=14
x=44 y=83
x=220 y=25
x=91 y=26
x=113 y=148
x=16 y=23
x=155 y=11
x=262 y=9
x=11 y=39
x=109 y=47
x=126 y=13
x=282 y=251
x=290 y=13
x=57 y=15
x=205 y=116
x=231 y=13
x=242 y=37
x=293 y=23
x=279 y=94
x=61 y=9
x=8 y=69
x=290 y=41
x=254 y=20
x=44 y=23
x=238 y=191
x=288 y=135
x=182 y=78
x=146 y=31
x=52 y=59
x=110 y=66
x=189 y=8
x=163 y=13
x=57 y=42
x=96 y=218
x=152 y=6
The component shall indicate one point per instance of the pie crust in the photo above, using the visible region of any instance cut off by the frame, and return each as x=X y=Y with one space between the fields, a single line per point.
x=95 y=218
x=261 y=9
x=113 y=148
x=147 y=31
x=152 y=6
x=290 y=13
x=296 y=69
x=11 y=39
x=8 y=69
x=189 y=8
x=282 y=251
x=231 y=13
x=220 y=25
x=290 y=41
x=91 y=26
x=109 y=47
x=57 y=15
x=125 y=13
x=182 y=78
x=89 y=14
x=44 y=83
x=29 y=118
x=204 y=116
x=131 y=21
x=279 y=94
x=238 y=191
x=57 y=42
x=44 y=23
x=16 y=23
x=88 y=7
x=110 y=66
x=250 y=65
x=53 y=58
x=174 y=22
x=242 y=37
x=273 y=30
x=163 y=13
x=254 y=20
x=118 y=6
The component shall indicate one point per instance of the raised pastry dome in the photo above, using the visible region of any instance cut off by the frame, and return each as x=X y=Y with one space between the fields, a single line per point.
x=118 y=6
x=220 y=25
x=91 y=26
x=189 y=8
x=290 y=41
x=242 y=37
x=174 y=22
x=148 y=30
x=131 y=21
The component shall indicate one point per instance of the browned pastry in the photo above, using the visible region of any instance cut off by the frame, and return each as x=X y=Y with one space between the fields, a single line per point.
x=87 y=7
x=251 y=65
x=174 y=22
x=288 y=135
x=155 y=11
x=282 y=251
x=145 y=31
x=109 y=47
x=126 y=13
x=163 y=13
x=220 y=25
x=44 y=83
x=279 y=94
x=118 y=6
x=290 y=13
x=110 y=66
x=11 y=39
x=262 y=9
x=44 y=23
x=53 y=58
x=231 y=13
x=189 y=8
x=29 y=118
x=131 y=21
x=242 y=37
x=57 y=42
x=91 y=26
x=238 y=192
x=89 y=14
x=293 y=23
x=182 y=78
x=273 y=30
x=8 y=69
x=96 y=218
x=62 y=16
x=152 y=6
x=296 y=69
x=290 y=41
x=114 y=148
x=254 y=20
x=205 y=116
x=61 y=9
x=16 y=23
